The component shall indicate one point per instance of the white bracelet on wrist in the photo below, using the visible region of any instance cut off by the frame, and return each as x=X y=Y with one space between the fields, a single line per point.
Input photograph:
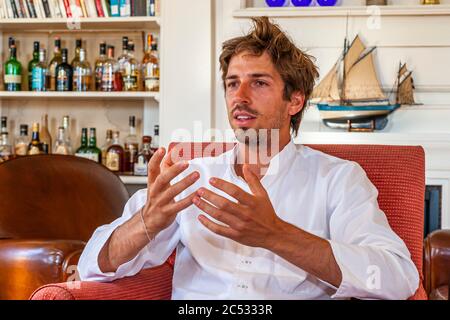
x=141 y=213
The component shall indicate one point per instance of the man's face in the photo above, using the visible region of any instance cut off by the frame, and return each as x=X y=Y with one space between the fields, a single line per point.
x=254 y=95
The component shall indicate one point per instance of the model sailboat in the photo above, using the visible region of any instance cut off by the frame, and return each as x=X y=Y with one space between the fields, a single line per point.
x=351 y=92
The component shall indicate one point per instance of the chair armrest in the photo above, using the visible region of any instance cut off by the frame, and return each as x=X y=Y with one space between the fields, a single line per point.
x=437 y=260
x=149 y=284
x=28 y=264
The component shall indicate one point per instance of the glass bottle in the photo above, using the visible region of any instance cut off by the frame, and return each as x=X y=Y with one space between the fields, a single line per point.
x=64 y=74
x=35 y=146
x=115 y=154
x=151 y=68
x=5 y=148
x=4 y=124
x=44 y=134
x=110 y=68
x=82 y=150
x=67 y=133
x=123 y=58
x=13 y=72
x=99 y=67
x=130 y=71
x=131 y=147
x=33 y=63
x=143 y=157
x=56 y=60
x=108 y=143
x=78 y=46
x=22 y=141
x=61 y=146
x=82 y=73
x=95 y=154
x=39 y=74
x=155 y=140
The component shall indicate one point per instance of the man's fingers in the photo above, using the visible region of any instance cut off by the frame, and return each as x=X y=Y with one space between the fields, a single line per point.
x=167 y=161
x=217 y=229
x=176 y=207
x=154 y=165
x=179 y=187
x=163 y=180
x=253 y=181
x=220 y=202
x=232 y=190
x=220 y=215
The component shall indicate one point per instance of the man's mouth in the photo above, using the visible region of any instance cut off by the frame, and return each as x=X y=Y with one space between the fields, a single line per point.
x=243 y=119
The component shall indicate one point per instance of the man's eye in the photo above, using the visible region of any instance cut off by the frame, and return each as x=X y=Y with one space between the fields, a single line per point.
x=260 y=83
x=232 y=84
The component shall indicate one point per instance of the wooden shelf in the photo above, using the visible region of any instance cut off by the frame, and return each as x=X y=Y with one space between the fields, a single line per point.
x=343 y=11
x=139 y=96
x=82 y=24
x=133 y=180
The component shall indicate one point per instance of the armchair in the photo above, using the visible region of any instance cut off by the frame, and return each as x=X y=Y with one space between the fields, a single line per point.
x=398 y=173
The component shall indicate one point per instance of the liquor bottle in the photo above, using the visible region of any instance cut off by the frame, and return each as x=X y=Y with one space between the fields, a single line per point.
x=123 y=58
x=131 y=147
x=40 y=75
x=44 y=134
x=4 y=124
x=82 y=150
x=35 y=146
x=115 y=154
x=143 y=157
x=82 y=73
x=110 y=71
x=130 y=71
x=56 y=60
x=95 y=154
x=61 y=146
x=33 y=63
x=78 y=46
x=108 y=143
x=67 y=133
x=64 y=74
x=155 y=140
x=22 y=141
x=151 y=66
x=5 y=148
x=99 y=67
x=13 y=72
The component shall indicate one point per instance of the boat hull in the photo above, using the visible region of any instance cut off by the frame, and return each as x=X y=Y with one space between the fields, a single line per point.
x=342 y=112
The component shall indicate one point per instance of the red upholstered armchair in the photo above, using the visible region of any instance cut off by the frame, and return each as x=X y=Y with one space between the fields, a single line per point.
x=398 y=173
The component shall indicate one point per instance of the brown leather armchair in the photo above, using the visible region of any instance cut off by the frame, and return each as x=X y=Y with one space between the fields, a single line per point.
x=437 y=265
x=49 y=207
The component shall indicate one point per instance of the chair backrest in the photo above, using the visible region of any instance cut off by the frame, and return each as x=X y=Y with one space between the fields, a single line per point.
x=57 y=197
x=398 y=172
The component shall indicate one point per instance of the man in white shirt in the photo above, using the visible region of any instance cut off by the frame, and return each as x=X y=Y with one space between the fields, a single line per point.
x=295 y=224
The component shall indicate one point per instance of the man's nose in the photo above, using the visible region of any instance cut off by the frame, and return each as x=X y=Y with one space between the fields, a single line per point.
x=242 y=94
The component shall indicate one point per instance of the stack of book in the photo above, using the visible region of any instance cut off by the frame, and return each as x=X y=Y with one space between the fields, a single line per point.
x=40 y=9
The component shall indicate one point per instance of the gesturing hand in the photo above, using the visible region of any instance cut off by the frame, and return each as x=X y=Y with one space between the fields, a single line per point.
x=161 y=209
x=251 y=221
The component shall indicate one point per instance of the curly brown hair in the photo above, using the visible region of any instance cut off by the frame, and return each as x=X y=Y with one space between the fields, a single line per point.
x=297 y=69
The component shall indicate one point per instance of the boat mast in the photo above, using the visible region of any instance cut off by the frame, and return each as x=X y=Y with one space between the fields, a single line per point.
x=344 y=77
x=397 y=98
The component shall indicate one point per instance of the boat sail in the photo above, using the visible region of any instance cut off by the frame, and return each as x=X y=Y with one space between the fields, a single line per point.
x=352 y=91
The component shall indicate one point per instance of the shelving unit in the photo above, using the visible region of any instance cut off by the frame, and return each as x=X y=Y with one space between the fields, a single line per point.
x=93 y=30
x=342 y=11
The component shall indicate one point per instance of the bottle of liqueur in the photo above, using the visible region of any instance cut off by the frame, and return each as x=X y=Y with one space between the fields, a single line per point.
x=151 y=66
x=131 y=147
x=67 y=132
x=56 y=60
x=82 y=73
x=4 y=125
x=60 y=143
x=13 y=72
x=115 y=155
x=64 y=74
x=22 y=141
x=99 y=67
x=143 y=157
x=40 y=75
x=5 y=148
x=33 y=63
x=95 y=154
x=155 y=140
x=123 y=58
x=110 y=81
x=78 y=46
x=82 y=150
x=130 y=71
x=46 y=138
x=35 y=146
x=108 y=143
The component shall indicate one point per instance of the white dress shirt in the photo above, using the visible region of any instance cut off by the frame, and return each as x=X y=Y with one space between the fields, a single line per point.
x=321 y=194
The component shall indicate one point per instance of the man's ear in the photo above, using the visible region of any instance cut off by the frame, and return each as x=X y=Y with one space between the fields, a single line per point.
x=296 y=103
